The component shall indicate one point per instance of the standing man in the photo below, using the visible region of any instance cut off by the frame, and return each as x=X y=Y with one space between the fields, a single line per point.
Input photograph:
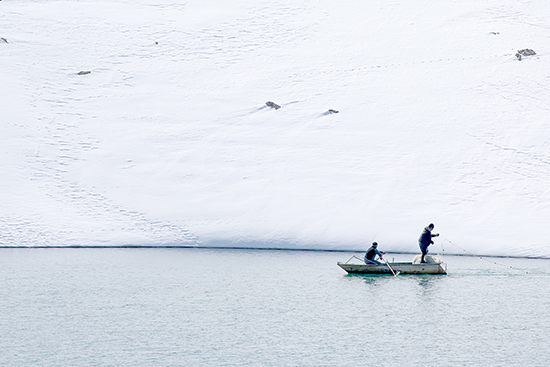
x=371 y=254
x=425 y=240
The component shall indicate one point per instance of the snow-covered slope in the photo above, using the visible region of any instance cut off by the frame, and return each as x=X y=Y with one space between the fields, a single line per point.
x=168 y=141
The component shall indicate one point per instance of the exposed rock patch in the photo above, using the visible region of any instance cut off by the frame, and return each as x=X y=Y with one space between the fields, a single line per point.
x=272 y=105
x=525 y=52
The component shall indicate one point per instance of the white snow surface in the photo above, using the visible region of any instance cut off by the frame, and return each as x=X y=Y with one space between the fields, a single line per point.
x=168 y=141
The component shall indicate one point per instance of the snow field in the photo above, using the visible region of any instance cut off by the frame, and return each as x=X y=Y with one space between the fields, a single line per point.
x=168 y=140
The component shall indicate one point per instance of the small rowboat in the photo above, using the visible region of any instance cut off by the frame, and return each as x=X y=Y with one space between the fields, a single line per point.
x=398 y=268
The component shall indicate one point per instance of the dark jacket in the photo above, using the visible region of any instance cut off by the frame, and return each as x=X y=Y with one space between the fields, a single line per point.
x=425 y=239
x=371 y=253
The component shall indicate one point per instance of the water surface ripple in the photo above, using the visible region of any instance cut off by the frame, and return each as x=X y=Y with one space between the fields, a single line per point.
x=207 y=307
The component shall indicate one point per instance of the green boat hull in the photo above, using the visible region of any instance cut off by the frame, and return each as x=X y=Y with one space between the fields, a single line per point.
x=398 y=268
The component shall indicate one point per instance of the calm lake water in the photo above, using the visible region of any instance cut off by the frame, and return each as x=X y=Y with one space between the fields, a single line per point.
x=204 y=307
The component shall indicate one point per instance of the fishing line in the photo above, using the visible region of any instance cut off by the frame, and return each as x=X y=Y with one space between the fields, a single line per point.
x=479 y=256
x=358 y=258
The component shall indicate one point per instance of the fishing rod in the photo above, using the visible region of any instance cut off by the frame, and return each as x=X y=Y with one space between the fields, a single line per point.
x=358 y=258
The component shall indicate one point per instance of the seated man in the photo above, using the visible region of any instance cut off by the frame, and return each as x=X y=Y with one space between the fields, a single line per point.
x=372 y=252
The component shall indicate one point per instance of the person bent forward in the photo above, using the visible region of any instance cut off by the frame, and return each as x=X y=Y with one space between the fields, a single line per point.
x=371 y=254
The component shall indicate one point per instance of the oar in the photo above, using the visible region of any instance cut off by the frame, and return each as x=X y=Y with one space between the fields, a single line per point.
x=393 y=272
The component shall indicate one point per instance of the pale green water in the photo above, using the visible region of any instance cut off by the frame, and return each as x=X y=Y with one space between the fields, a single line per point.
x=199 y=307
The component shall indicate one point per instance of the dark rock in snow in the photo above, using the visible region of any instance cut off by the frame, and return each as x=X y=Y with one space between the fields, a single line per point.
x=272 y=105
x=525 y=52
